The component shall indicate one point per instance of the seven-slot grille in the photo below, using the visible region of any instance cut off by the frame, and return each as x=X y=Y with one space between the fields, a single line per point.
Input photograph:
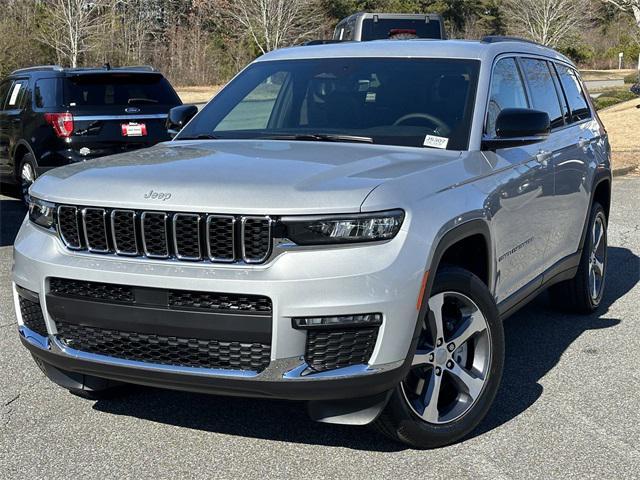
x=162 y=235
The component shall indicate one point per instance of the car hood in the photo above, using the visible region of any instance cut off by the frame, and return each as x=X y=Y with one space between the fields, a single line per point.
x=237 y=176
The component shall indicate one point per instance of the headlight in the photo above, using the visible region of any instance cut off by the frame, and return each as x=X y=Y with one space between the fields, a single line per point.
x=42 y=213
x=364 y=227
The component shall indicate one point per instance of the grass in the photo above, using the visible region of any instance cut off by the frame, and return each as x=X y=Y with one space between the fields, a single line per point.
x=200 y=94
x=613 y=96
x=605 y=74
x=622 y=122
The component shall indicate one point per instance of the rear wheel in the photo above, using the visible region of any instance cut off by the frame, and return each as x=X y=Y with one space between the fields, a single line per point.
x=26 y=175
x=456 y=368
x=584 y=292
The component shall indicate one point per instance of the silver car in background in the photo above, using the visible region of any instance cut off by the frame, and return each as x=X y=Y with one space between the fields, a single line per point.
x=344 y=224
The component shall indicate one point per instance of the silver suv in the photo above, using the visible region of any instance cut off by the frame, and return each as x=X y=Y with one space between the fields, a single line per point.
x=344 y=224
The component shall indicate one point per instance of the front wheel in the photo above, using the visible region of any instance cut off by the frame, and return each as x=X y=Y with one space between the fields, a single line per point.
x=26 y=176
x=456 y=369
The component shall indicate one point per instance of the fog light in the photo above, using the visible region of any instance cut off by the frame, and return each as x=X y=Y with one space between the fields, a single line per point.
x=338 y=321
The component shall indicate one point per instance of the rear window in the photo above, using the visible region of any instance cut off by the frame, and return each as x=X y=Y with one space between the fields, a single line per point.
x=573 y=91
x=119 y=89
x=400 y=29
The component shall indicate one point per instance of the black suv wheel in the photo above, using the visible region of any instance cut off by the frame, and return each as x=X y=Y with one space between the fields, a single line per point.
x=456 y=369
x=26 y=175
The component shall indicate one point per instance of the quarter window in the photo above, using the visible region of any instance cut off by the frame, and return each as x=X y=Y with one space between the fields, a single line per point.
x=544 y=96
x=16 y=94
x=575 y=95
x=507 y=91
x=46 y=93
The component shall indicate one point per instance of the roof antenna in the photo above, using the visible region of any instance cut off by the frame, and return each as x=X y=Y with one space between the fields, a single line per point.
x=107 y=66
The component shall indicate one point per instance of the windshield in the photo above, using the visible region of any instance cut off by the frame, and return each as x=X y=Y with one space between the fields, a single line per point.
x=392 y=101
x=119 y=89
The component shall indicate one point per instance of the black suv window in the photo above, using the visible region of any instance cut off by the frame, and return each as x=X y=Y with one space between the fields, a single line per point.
x=122 y=89
x=17 y=94
x=395 y=28
x=507 y=91
x=4 y=90
x=544 y=96
x=573 y=90
x=46 y=92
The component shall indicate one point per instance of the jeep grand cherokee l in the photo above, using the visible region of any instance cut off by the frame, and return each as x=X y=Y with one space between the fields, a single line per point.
x=345 y=224
x=52 y=116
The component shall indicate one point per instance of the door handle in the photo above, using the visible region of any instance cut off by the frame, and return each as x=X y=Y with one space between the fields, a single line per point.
x=543 y=157
x=583 y=142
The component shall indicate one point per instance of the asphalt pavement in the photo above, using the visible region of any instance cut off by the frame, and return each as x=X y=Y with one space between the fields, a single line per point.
x=569 y=405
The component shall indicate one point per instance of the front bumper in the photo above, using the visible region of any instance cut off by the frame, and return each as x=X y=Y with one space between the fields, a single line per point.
x=307 y=282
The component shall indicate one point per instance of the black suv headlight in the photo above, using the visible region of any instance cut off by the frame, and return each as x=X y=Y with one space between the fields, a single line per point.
x=361 y=227
x=42 y=213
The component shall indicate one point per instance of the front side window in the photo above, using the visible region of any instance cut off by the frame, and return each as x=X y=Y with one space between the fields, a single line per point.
x=393 y=101
x=506 y=91
x=544 y=96
x=575 y=95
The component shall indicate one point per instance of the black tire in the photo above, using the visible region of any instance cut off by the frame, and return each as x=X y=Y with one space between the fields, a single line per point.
x=575 y=295
x=400 y=422
x=29 y=163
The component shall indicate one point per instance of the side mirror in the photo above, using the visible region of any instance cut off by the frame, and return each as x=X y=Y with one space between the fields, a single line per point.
x=178 y=117
x=517 y=127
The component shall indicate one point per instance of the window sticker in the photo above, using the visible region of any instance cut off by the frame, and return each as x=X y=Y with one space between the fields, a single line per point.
x=435 y=142
x=14 y=94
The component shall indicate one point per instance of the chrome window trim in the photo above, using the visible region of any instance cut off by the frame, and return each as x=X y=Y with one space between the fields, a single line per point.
x=104 y=226
x=89 y=118
x=233 y=239
x=62 y=237
x=174 y=221
x=144 y=241
x=270 y=222
x=115 y=238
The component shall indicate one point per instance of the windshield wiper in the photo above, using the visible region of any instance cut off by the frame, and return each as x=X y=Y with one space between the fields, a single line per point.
x=319 y=137
x=200 y=136
x=141 y=100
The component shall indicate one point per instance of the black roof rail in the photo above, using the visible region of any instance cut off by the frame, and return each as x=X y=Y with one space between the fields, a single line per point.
x=37 y=68
x=144 y=68
x=504 y=38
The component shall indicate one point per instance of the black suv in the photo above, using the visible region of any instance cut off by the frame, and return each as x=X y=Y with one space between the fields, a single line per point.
x=52 y=116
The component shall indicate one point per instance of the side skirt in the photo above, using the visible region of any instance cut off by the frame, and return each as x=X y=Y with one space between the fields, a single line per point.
x=563 y=270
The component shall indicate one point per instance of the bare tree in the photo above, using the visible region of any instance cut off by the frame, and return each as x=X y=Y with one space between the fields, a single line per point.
x=68 y=25
x=631 y=6
x=548 y=22
x=275 y=23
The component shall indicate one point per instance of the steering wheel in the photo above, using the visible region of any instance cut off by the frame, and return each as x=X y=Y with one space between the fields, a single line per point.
x=441 y=127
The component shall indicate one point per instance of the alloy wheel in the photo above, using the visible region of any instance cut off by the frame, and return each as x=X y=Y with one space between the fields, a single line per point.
x=597 y=258
x=452 y=361
x=27 y=177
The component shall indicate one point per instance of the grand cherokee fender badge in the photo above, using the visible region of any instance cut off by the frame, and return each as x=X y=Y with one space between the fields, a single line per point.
x=157 y=195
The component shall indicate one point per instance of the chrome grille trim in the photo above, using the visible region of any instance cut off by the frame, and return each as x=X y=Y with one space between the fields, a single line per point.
x=176 y=219
x=103 y=212
x=114 y=236
x=144 y=235
x=212 y=257
x=66 y=241
x=244 y=220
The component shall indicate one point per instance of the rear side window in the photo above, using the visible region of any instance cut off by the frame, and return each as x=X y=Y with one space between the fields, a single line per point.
x=45 y=92
x=16 y=95
x=119 y=89
x=544 y=96
x=575 y=95
x=507 y=91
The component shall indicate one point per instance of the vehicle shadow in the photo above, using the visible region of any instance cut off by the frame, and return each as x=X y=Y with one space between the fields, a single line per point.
x=12 y=212
x=536 y=338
